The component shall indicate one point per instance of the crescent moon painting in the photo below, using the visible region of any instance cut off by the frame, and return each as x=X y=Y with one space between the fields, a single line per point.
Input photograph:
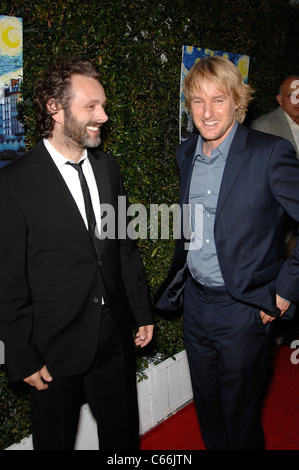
x=11 y=45
x=11 y=75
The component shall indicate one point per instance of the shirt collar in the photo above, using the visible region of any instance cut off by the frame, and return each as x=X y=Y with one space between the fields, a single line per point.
x=58 y=158
x=223 y=147
x=290 y=121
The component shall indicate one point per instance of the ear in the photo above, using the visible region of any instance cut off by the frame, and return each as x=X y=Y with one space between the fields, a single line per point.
x=279 y=100
x=55 y=110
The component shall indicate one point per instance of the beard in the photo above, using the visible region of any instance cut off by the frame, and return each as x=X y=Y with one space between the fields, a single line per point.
x=75 y=132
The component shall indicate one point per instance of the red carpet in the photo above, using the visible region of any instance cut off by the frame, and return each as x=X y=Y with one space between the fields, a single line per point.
x=280 y=415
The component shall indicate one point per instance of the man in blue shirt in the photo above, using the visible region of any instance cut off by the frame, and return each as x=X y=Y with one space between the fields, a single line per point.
x=234 y=276
x=204 y=189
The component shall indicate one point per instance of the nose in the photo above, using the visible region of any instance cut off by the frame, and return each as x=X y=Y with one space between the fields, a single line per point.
x=102 y=114
x=207 y=110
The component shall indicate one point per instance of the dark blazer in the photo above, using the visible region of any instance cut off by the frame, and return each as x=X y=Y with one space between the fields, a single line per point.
x=260 y=185
x=51 y=283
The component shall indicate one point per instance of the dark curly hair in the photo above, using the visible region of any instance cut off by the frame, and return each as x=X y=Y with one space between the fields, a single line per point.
x=55 y=83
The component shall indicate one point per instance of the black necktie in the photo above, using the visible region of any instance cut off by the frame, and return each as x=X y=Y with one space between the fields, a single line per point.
x=91 y=220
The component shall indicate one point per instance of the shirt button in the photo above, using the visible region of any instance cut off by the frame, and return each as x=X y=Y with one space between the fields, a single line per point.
x=207 y=240
x=209 y=191
x=96 y=300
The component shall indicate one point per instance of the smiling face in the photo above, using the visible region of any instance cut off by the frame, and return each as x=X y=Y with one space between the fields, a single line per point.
x=86 y=114
x=214 y=113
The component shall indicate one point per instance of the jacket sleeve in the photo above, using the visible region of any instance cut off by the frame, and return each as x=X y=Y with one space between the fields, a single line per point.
x=16 y=310
x=284 y=181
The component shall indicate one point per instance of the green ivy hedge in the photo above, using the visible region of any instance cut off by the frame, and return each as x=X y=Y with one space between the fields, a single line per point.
x=139 y=45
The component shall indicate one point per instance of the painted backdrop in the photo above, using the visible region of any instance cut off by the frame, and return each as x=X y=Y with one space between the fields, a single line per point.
x=12 y=142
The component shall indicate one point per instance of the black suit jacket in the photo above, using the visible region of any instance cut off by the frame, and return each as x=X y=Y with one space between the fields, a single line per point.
x=260 y=185
x=51 y=283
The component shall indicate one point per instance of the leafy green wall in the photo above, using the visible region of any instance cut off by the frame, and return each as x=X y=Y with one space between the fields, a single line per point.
x=139 y=45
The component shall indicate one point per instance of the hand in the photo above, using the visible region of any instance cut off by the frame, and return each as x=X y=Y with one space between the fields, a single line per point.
x=39 y=378
x=282 y=304
x=144 y=335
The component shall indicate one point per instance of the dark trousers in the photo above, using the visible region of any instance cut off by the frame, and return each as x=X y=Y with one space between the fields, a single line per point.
x=110 y=390
x=227 y=347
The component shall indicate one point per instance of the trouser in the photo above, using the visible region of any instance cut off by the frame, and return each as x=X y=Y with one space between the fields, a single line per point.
x=109 y=387
x=228 y=350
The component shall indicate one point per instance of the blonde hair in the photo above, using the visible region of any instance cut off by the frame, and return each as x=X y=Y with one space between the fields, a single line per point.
x=224 y=73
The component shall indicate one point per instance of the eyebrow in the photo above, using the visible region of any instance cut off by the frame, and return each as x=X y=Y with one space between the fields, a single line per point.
x=89 y=102
x=222 y=95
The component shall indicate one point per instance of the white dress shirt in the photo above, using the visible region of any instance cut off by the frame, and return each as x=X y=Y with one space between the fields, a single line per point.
x=70 y=176
x=295 y=130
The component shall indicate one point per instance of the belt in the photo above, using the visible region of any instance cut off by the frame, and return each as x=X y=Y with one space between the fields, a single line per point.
x=213 y=291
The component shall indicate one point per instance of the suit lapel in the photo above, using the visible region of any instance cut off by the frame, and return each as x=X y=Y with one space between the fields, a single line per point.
x=186 y=168
x=102 y=177
x=234 y=162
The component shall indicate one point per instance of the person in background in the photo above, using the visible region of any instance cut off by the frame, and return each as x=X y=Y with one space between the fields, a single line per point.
x=231 y=273
x=68 y=292
x=284 y=120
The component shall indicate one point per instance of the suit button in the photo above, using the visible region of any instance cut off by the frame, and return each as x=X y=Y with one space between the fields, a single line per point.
x=96 y=300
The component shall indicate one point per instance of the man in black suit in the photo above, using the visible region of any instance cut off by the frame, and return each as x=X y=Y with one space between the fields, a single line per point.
x=68 y=289
x=239 y=183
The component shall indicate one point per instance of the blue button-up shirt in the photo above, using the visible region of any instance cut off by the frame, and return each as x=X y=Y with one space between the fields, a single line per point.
x=203 y=196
